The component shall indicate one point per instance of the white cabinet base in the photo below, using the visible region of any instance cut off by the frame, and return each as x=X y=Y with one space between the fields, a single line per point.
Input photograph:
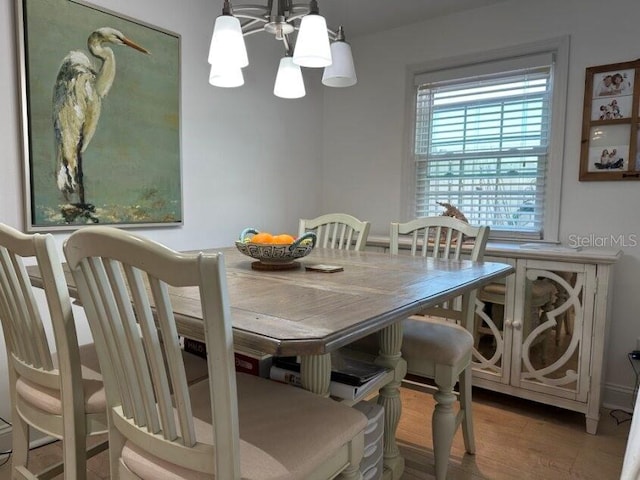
x=542 y=336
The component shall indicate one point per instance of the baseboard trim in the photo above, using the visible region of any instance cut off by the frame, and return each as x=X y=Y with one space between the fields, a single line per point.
x=618 y=397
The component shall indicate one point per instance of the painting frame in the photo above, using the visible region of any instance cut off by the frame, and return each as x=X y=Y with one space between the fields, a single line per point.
x=101 y=132
x=610 y=149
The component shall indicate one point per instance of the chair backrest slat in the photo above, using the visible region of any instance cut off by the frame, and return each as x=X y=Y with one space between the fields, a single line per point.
x=338 y=236
x=23 y=313
x=171 y=349
x=337 y=231
x=108 y=314
x=11 y=318
x=150 y=380
x=142 y=390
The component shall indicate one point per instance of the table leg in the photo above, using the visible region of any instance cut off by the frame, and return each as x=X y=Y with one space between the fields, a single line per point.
x=389 y=356
x=315 y=373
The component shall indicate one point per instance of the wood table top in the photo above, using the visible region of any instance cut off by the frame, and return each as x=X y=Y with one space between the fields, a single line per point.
x=296 y=312
x=303 y=312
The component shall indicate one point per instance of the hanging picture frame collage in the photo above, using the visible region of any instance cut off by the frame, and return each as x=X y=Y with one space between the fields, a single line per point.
x=610 y=149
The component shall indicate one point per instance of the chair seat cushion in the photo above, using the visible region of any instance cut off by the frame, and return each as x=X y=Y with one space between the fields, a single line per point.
x=48 y=400
x=425 y=339
x=435 y=340
x=285 y=432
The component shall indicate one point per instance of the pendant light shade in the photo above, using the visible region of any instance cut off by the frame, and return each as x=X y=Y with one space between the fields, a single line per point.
x=289 y=82
x=227 y=48
x=312 y=46
x=228 y=78
x=341 y=73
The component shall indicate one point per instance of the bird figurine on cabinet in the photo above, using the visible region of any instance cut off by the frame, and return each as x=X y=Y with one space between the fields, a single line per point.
x=452 y=211
x=77 y=103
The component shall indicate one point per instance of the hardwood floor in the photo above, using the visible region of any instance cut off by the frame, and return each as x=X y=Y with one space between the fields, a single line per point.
x=516 y=439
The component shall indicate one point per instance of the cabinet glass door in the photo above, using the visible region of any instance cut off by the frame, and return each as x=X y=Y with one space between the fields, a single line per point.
x=533 y=330
x=550 y=328
x=492 y=344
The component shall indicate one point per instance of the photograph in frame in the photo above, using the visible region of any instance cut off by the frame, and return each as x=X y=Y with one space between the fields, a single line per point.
x=609 y=149
x=613 y=83
x=101 y=117
x=612 y=108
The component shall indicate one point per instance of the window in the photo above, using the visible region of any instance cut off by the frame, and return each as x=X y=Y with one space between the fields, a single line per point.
x=483 y=142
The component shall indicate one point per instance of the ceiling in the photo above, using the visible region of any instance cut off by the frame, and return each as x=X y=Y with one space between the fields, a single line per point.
x=361 y=17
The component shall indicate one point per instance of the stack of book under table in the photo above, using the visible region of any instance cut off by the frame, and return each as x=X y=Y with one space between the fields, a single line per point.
x=350 y=377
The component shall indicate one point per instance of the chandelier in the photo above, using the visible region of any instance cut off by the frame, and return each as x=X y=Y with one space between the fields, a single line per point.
x=311 y=46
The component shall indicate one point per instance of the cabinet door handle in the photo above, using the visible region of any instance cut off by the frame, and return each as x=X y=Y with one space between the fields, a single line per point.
x=517 y=325
x=508 y=323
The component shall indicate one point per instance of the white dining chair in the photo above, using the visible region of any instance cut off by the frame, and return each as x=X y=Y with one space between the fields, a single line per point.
x=229 y=426
x=60 y=394
x=337 y=230
x=439 y=344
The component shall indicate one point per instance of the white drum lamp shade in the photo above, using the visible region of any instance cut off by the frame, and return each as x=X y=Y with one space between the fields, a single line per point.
x=226 y=78
x=312 y=45
x=227 y=48
x=289 y=82
x=341 y=73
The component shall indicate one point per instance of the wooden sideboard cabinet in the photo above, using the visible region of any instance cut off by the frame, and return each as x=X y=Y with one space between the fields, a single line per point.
x=542 y=334
x=545 y=337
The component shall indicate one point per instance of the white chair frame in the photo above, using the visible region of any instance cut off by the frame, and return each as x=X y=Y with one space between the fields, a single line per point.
x=31 y=362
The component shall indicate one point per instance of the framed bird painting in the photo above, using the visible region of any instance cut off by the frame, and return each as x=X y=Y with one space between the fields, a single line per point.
x=100 y=117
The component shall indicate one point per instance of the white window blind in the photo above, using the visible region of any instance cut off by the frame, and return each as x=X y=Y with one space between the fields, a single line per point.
x=482 y=143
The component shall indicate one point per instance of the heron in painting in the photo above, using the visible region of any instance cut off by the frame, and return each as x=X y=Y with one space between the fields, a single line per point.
x=77 y=101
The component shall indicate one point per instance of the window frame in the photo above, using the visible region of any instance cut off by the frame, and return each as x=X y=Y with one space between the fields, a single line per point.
x=559 y=47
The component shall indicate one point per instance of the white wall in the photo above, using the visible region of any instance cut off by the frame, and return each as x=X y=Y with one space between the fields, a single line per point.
x=248 y=158
x=365 y=126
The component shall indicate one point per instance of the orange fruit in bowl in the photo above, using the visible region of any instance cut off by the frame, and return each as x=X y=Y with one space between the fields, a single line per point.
x=262 y=237
x=283 y=239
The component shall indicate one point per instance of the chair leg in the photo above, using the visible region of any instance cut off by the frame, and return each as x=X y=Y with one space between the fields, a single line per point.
x=352 y=472
x=116 y=444
x=444 y=427
x=465 y=407
x=20 y=444
x=356 y=452
x=74 y=445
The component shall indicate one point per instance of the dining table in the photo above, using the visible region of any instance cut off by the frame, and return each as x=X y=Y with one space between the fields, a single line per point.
x=310 y=313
